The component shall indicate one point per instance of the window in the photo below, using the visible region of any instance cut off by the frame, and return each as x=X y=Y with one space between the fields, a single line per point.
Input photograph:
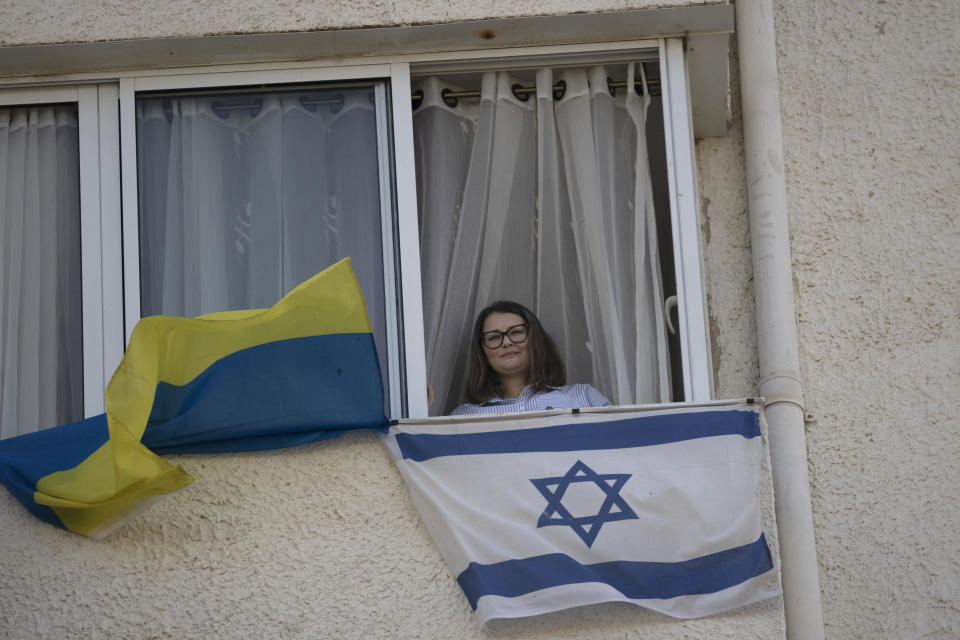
x=237 y=184
x=535 y=186
x=248 y=184
x=52 y=316
x=536 y=191
x=243 y=194
x=42 y=373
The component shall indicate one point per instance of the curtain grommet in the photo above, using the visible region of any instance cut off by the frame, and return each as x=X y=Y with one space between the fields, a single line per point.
x=560 y=90
x=449 y=100
x=308 y=104
x=520 y=92
x=223 y=109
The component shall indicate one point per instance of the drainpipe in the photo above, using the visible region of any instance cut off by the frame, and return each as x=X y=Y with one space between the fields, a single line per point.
x=780 y=382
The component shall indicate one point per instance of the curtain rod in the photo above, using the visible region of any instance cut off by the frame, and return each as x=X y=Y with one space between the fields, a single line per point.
x=336 y=103
x=451 y=98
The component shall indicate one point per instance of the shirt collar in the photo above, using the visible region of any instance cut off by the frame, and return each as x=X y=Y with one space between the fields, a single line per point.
x=526 y=394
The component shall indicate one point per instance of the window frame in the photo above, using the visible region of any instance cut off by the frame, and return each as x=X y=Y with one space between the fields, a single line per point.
x=99 y=224
x=693 y=330
x=110 y=242
x=186 y=80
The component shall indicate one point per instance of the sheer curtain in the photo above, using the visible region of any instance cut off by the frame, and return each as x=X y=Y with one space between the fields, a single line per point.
x=41 y=323
x=546 y=202
x=243 y=197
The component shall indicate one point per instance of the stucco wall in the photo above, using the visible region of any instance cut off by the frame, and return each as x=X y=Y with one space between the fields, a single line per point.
x=314 y=542
x=869 y=94
x=58 y=21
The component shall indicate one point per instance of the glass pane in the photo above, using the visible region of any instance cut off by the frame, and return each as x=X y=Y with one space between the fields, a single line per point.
x=243 y=195
x=41 y=322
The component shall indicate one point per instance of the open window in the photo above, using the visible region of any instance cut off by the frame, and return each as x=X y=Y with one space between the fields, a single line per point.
x=545 y=180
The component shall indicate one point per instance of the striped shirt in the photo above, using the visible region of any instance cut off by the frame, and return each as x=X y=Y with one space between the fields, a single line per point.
x=571 y=396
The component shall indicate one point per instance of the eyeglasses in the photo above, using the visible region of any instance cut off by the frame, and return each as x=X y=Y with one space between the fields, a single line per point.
x=493 y=339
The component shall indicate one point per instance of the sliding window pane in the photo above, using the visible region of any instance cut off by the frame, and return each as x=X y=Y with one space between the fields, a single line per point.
x=245 y=194
x=41 y=322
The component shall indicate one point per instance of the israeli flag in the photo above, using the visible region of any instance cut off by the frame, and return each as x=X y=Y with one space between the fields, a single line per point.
x=539 y=512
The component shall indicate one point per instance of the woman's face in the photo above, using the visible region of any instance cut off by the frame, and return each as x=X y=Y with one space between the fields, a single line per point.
x=510 y=358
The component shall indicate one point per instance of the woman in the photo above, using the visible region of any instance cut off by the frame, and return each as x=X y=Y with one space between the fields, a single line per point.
x=515 y=366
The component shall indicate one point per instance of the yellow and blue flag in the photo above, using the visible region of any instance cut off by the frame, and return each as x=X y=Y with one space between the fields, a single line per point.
x=304 y=370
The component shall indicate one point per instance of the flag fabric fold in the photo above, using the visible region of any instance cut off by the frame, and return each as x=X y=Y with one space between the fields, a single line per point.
x=305 y=369
x=536 y=513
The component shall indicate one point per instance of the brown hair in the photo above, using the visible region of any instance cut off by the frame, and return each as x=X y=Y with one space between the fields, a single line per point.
x=546 y=365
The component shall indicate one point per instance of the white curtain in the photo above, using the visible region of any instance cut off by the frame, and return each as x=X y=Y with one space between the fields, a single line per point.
x=546 y=202
x=41 y=330
x=239 y=205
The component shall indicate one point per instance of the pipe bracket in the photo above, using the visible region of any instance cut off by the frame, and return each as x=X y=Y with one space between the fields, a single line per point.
x=781 y=388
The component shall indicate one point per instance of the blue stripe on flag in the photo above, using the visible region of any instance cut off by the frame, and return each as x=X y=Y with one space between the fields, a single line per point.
x=635 y=580
x=579 y=436
x=278 y=394
x=63 y=447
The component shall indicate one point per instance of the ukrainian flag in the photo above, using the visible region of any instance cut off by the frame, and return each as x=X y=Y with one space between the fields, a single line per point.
x=304 y=370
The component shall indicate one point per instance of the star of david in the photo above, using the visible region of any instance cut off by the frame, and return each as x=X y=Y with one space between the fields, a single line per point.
x=614 y=507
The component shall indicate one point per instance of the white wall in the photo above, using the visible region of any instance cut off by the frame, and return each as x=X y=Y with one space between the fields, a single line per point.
x=58 y=21
x=869 y=95
x=319 y=541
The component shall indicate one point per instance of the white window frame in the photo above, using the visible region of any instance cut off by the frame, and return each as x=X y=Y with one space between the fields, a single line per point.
x=685 y=222
x=176 y=81
x=682 y=188
x=212 y=80
x=100 y=274
x=108 y=147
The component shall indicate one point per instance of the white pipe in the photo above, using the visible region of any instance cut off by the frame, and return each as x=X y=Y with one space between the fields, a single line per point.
x=776 y=323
